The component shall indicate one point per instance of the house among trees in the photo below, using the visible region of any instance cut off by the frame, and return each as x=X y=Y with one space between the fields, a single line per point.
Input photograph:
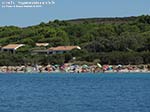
x=11 y=47
x=56 y=50
x=42 y=44
x=61 y=49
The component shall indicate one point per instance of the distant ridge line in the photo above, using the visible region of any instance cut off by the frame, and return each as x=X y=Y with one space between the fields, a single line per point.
x=103 y=20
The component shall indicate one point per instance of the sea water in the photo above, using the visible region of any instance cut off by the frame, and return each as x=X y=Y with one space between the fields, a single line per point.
x=119 y=92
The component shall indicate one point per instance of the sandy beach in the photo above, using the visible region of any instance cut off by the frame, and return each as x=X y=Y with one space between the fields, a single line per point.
x=72 y=68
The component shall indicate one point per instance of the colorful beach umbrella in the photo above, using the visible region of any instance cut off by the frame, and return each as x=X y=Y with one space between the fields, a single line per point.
x=105 y=67
x=110 y=66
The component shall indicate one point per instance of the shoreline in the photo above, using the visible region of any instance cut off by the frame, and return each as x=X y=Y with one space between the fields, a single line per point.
x=53 y=72
x=71 y=68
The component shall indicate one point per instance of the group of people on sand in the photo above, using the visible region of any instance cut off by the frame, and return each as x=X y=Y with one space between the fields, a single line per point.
x=74 y=68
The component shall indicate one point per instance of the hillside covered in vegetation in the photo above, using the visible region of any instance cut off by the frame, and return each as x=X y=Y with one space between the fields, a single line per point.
x=103 y=40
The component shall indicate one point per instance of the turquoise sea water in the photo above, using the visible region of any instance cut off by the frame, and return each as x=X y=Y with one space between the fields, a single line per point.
x=75 y=92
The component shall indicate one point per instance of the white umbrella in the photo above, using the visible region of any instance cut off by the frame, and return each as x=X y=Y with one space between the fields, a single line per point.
x=99 y=65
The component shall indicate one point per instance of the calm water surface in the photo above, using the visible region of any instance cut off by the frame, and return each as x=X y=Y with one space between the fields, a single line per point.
x=75 y=93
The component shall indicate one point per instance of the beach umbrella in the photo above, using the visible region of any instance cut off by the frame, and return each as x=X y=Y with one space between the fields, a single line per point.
x=48 y=66
x=74 y=65
x=22 y=66
x=56 y=65
x=40 y=66
x=119 y=65
x=4 y=67
x=110 y=67
x=105 y=67
x=66 y=65
x=84 y=66
x=99 y=65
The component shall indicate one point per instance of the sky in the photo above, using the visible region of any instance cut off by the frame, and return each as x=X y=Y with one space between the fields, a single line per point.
x=72 y=9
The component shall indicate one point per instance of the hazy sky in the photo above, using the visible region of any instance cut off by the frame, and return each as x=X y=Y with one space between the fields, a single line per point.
x=72 y=9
